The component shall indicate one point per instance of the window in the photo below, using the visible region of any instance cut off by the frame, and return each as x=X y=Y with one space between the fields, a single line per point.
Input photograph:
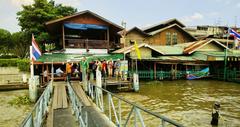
x=168 y=38
x=174 y=37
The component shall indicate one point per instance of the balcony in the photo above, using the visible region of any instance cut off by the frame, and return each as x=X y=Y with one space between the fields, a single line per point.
x=86 y=44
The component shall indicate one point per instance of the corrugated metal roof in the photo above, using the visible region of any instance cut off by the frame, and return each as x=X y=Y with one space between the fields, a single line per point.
x=194 y=57
x=235 y=53
x=170 y=50
x=164 y=23
x=61 y=57
x=198 y=44
x=131 y=48
x=138 y=30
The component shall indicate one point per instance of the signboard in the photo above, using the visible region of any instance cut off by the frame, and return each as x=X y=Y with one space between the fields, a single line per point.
x=124 y=69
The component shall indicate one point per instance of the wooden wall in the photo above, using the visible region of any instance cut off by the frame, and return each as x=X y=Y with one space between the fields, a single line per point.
x=90 y=19
x=134 y=35
x=160 y=38
x=145 y=53
x=86 y=19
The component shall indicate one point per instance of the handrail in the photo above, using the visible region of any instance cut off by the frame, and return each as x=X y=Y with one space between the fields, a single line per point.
x=135 y=108
x=81 y=116
x=35 y=117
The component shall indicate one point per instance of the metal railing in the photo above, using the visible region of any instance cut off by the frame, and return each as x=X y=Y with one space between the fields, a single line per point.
x=87 y=44
x=77 y=107
x=36 y=116
x=115 y=114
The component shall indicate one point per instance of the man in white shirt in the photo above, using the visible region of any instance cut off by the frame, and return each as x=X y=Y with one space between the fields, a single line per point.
x=59 y=72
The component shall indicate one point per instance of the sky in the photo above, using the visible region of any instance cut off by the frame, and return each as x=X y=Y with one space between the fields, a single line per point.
x=140 y=13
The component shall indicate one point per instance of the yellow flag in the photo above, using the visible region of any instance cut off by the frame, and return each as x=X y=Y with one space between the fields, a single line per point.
x=137 y=50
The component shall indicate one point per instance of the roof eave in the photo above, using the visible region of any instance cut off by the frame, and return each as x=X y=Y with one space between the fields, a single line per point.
x=80 y=13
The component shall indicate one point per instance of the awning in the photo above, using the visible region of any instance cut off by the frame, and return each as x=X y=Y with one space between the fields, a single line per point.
x=62 y=57
x=77 y=26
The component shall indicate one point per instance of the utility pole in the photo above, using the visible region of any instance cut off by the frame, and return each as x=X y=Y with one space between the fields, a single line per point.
x=225 y=65
x=123 y=37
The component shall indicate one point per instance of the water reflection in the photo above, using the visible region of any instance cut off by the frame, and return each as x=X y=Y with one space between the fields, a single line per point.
x=190 y=102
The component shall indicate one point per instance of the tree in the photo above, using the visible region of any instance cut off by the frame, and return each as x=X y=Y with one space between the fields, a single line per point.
x=5 y=41
x=21 y=42
x=32 y=17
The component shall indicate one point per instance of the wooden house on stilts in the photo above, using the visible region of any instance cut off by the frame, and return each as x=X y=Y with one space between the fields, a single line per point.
x=169 y=52
x=84 y=34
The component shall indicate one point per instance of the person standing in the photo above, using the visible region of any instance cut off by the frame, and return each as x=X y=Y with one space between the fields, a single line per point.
x=94 y=67
x=46 y=76
x=104 y=68
x=84 y=68
x=117 y=68
x=110 y=68
x=68 y=70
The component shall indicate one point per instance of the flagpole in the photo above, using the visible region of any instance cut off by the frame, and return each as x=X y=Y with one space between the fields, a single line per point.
x=31 y=63
x=227 y=39
x=225 y=57
x=136 y=67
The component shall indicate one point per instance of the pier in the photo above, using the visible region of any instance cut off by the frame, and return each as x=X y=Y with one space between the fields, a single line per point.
x=12 y=82
x=67 y=104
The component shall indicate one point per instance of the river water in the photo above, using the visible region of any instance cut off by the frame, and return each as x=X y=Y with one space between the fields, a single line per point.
x=12 y=115
x=188 y=102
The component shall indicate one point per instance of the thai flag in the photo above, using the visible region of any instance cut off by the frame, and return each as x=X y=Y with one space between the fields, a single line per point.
x=234 y=33
x=36 y=53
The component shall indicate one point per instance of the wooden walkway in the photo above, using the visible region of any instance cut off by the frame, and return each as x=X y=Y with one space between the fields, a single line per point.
x=60 y=97
x=96 y=118
x=81 y=94
x=114 y=85
x=60 y=114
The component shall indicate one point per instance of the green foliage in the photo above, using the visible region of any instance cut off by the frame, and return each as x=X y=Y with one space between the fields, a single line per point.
x=50 y=47
x=23 y=65
x=20 y=100
x=5 y=41
x=8 y=62
x=32 y=17
x=7 y=56
x=21 y=42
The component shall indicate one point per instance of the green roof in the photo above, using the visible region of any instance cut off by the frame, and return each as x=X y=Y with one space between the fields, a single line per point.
x=170 y=50
x=62 y=57
x=229 y=53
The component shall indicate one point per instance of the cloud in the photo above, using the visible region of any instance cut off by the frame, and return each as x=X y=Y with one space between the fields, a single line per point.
x=226 y=2
x=238 y=5
x=194 y=17
x=74 y=3
x=19 y=3
x=213 y=14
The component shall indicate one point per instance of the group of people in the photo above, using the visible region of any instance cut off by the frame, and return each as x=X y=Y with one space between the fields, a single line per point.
x=84 y=69
x=107 y=68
